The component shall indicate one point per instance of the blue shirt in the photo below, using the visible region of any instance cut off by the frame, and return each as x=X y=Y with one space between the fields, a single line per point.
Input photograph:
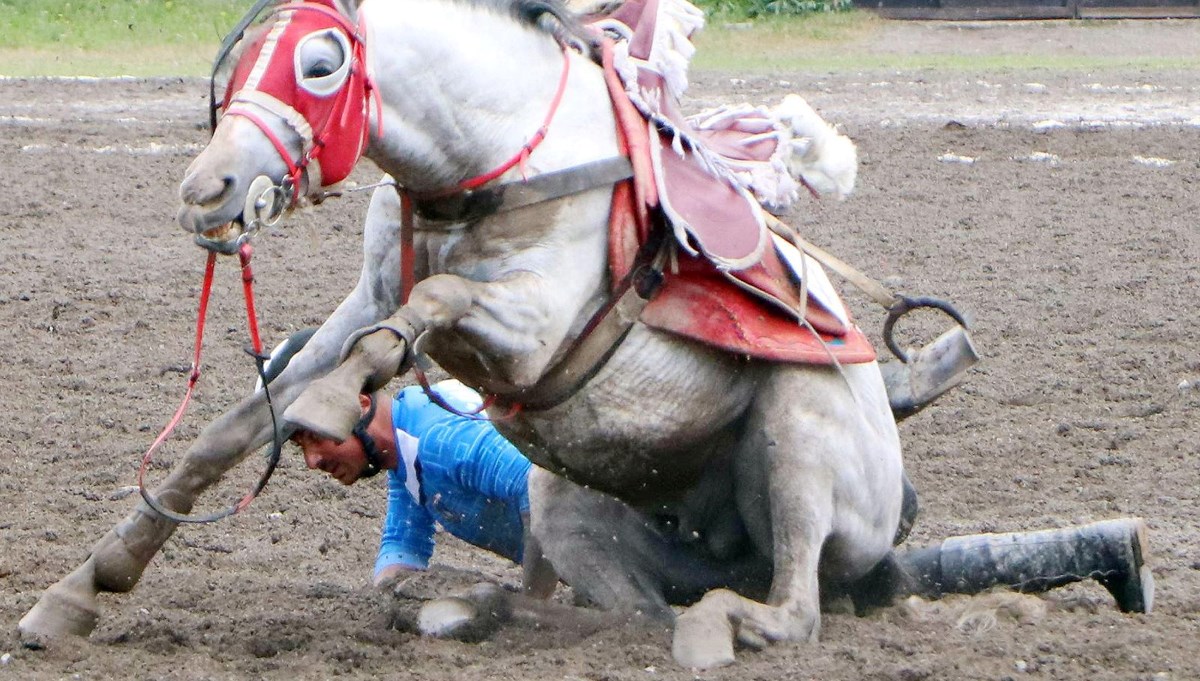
x=456 y=471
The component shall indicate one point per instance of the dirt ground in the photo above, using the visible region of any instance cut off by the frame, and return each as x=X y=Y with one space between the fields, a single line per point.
x=1057 y=208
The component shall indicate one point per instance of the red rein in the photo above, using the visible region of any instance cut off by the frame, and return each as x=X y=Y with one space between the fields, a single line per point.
x=245 y=252
x=341 y=111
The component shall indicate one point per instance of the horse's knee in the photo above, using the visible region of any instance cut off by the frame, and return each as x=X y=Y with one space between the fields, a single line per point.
x=122 y=555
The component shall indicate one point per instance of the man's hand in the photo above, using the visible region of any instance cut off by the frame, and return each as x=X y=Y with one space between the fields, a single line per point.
x=387 y=578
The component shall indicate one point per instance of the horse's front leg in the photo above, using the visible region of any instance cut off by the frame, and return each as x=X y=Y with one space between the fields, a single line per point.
x=116 y=562
x=330 y=407
x=69 y=607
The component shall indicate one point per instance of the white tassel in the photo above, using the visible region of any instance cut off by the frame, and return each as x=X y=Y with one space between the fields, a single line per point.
x=826 y=159
x=672 y=52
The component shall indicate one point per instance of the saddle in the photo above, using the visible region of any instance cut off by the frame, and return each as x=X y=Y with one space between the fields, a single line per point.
x=733 y=284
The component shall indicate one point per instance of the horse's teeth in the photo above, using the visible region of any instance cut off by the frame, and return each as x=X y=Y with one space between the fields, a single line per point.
x=218 y=233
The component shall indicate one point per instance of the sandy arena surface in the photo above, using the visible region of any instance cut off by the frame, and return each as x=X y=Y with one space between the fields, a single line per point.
x=1058 y=208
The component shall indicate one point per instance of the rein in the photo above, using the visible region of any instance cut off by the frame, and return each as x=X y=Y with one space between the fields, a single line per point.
x=462 y=193
x=245 y=252
x=895 y=304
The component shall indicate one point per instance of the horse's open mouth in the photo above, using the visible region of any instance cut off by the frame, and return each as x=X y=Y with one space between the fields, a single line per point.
x=226 y=232
x=223 y=238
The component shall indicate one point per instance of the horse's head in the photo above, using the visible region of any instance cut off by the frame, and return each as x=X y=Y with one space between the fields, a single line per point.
x=295 y=112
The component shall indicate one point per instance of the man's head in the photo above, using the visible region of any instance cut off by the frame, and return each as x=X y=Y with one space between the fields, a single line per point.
x=357 y=457
x=347 y=461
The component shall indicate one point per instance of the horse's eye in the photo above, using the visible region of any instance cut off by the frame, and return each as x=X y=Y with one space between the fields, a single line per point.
x=321 y=69
x=322 y=61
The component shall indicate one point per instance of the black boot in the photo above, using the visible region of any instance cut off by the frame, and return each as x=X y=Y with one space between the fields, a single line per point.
x=1112 y=552
x=909 y=507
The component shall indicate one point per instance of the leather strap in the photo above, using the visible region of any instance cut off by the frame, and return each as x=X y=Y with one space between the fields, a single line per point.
x=399 y=325
x=603 y=333
x=226 y=47
x=374 y=456
x=867 y=285
x=470 y=205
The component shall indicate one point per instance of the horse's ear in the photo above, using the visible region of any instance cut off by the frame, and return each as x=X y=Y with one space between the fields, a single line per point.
x=349 y=8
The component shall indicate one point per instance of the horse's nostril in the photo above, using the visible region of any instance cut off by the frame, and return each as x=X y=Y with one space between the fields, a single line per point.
x=198 y=190
x=228 y=184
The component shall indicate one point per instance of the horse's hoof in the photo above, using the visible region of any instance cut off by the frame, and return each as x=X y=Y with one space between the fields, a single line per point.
x=702 y=640
x=57 y=614
x=328 y=408
x=445 y=617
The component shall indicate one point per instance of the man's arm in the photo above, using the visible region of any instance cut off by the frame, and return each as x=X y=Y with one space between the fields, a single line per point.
x=492 y=466
x=496 y=469
x=406 y=543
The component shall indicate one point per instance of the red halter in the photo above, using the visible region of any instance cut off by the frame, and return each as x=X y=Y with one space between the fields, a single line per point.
x=329 y=113
x=407 y=255
x=408 y=252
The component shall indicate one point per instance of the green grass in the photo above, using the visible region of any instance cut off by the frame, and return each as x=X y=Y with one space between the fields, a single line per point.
x=843 y=41
x=781 y=42
x=180 y=38
x=113 y=37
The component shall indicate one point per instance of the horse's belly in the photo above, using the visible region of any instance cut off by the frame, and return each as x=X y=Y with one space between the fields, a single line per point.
x=648 y=423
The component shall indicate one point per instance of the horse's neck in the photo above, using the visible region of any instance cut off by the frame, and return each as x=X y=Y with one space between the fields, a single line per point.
x=458 y=102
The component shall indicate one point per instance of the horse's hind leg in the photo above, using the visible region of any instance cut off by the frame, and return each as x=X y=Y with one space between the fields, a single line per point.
x=594 y=543
x=828 y=466
x=116 y=562
x=597 y=545
x=621 y=559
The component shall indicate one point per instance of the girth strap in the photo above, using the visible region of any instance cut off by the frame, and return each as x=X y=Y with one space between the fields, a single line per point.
x=603 y=333
x=470 y=205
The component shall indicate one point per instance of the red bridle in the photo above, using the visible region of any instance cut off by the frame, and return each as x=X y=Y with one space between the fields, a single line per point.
x=333 y=127
x=407 y=255
x=408 y=252
x=342 y=117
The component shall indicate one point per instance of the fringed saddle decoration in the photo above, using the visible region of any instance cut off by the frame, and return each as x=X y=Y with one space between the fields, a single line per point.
x=734 y=284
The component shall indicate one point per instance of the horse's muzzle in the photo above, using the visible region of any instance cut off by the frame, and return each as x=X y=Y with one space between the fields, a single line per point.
x=196 y=219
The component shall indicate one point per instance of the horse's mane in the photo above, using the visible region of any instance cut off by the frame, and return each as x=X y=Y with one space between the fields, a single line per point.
x=549 y=16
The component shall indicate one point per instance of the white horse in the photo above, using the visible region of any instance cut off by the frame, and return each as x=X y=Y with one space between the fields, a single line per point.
x=682 y=471
x=781 y=469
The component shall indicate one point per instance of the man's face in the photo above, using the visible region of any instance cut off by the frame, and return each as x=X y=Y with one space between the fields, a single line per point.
x=343 y=462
